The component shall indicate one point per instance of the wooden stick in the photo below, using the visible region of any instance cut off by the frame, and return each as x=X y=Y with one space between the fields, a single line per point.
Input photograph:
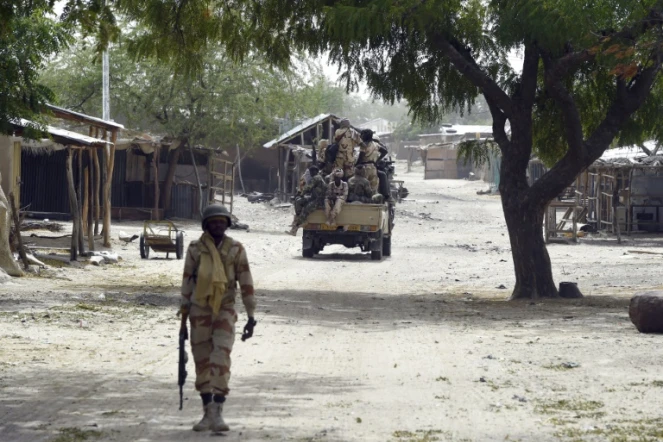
x=17 y=226
x=155 y=169
x=89 y=200
x=97 y=188
x=79 y=202
x=642 y=252
x=73 y=206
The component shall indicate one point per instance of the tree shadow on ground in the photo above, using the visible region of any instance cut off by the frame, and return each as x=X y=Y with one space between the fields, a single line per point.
x=44 y=404
x=376 y=311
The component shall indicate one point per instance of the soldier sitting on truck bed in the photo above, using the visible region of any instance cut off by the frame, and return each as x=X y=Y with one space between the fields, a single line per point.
x=312 y=198
x=359 y=188
x=337 y=195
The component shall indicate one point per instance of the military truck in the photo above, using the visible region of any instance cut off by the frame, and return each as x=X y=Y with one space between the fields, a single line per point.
x=367 y=226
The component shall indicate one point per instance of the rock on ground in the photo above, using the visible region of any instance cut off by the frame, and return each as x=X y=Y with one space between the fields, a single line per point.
x=646 y=311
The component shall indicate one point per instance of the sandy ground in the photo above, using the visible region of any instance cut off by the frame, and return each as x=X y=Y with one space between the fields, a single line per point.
x=419 y=347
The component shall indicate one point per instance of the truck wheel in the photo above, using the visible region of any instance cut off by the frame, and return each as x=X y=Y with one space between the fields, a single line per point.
x=308 y=253
x=376 y=255
x=144 y=248
x=179 y=245
x=386 y=246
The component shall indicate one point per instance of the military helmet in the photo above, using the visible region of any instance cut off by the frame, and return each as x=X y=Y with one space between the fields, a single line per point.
x=214 y=210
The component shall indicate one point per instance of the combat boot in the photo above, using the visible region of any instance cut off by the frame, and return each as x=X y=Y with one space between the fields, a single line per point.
x=206 y=422
x=218 y=424
x=293 y=230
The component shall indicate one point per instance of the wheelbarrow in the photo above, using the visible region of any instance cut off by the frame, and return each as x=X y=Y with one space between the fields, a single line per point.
x=161 y=236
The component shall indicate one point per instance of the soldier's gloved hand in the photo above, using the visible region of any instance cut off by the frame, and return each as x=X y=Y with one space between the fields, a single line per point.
x=248 y=329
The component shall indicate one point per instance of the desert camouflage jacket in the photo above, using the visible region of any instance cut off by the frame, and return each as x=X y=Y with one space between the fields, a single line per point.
x=359 y=189
x=238 y=272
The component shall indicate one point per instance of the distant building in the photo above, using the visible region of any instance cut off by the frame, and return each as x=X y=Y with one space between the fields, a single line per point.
x=379 y=126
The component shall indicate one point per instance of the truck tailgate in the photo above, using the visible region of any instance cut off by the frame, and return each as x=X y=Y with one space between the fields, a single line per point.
x=356 y=214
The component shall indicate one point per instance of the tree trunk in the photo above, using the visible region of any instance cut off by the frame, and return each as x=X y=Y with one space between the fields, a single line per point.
x=530 y=257
x=170 y=176
x=17 y=227
x=523 y=213
x=7 y=261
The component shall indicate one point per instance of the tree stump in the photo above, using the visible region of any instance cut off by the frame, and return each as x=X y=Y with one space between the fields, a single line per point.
x=646 y=311
x=569 y=290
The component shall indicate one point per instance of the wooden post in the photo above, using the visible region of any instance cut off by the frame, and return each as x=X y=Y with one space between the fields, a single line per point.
x=86 y=194
x=155 y=170
x=599 y=196
x=79 y=201
x=89 y=200
x=97 y=188
x=73 y=206
x=109 y=153
x=17 y=226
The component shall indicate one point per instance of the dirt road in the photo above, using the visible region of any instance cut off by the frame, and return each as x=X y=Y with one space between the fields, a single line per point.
x=419 y=347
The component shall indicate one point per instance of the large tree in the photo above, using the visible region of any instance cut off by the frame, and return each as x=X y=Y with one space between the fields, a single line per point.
x=590 y=78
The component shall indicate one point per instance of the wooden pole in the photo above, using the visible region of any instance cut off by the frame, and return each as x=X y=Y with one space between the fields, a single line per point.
x=155 y=170
x=97 y=188
x=86 y=194
x=109 y=151
x=89 y=200
x=80 y=232
x=73 y=206
x=17 y=227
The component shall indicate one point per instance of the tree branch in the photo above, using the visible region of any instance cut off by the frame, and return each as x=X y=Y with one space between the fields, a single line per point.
x=565 y=101
x=499 y=123
x=627 y=100
x=529 y=76
x=466 y=65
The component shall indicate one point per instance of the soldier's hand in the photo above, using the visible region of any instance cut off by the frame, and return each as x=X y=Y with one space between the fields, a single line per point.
x=248 y=329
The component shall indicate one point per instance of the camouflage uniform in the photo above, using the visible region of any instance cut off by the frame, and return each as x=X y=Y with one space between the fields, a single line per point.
x=359 y=189
x=212 y=336
x=371 y=151
x=347 y=139
x=336 y=196
x=314 y=199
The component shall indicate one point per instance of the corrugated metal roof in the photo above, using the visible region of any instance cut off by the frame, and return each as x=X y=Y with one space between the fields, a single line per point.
x=80 y=116
x=306 y=124
x=63 y=136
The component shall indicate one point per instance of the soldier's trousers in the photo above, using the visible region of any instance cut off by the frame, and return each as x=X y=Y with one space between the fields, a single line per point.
x=212 y=338
x=346 y=163
x=305 y=211
x=332 y=211
x=372 y=176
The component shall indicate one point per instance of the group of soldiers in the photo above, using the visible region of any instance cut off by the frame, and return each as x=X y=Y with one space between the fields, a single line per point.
x=338 y=178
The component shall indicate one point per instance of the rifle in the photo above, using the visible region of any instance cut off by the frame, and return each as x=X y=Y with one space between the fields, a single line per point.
x=183 y=359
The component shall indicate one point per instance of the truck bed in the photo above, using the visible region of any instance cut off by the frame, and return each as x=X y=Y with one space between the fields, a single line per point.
x=351 y=214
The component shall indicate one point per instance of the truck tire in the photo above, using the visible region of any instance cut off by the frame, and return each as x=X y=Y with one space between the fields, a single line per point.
x=308 y=253
x=179 y=245
x=386 y=246
x=376 y=255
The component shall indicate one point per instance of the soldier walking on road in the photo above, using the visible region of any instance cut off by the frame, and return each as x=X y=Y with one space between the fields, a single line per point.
x=337 y=195
x=214 y=266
